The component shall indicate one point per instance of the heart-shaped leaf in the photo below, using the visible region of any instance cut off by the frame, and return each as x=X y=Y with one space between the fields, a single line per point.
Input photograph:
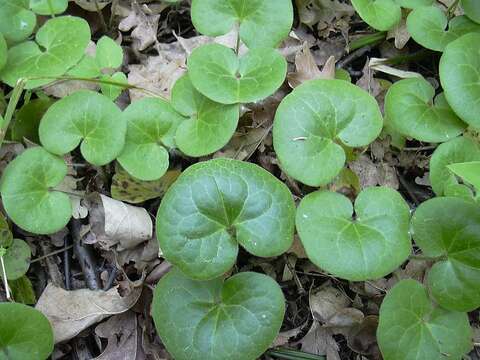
x=48 y=7
x=370 y=246
x=237 y=319
x=315 y=121
x=25 y=334
x=218 y=204
x=410 y=108
x=27 y=120
x=460 y=77
x=411 y=327
x=430 y=27
x=88 y=118
x=468 y=171
x=448 y=228
x=16 y=259
x=263 y=23
x=3 y=51
x=18 y=21
x=458 y=150
x=472 y=9
x=27 y=194
x=59 y=44
x=109 y=55
x=151 y=131
x=218 y=74
x=210 y=125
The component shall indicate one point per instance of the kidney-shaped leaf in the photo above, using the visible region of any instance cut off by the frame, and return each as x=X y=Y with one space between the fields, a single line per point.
x=88 y=116
x=469 y=172
x=429 y=26
x=151 y=130
x=59 y=44
x=18 y=21
x=460 y=77
x=458 y=150
x=48 y=7
x=410 y=107
x=26 y=192
x=209 y=126
x=263 y=23
x=369 y=246
x=472 y=9
x=237 y=319
x=411 y=327
x=3 y=51
x=215 y=205
x=16 y=259
x=25 y=334
x=449 y=228
x=218 y=74
x=109 y=55
x=312 y=123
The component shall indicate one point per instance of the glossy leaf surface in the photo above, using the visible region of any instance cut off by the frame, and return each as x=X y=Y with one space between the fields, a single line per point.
x=18 y=21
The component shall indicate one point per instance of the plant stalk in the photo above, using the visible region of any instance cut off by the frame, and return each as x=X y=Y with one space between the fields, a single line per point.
x=12 y=105
x=5 y=281
x=370 y=39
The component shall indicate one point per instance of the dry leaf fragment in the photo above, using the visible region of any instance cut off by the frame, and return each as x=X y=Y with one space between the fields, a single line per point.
x=371 y=174
x=145 y=27
x=70 y=312
x=400 y=34
x=378 y=64
x=115 y=223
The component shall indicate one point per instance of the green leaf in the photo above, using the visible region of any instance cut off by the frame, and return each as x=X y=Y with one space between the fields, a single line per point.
x=449 y=228
x=460 y=77
x=429 y=26
x=28 y=119
x=218 y=74
x=3 y=52
x=410 y=107
x=59 y=44
x=237 y=319
x=88 y=118
x=109 y=55
x=17 y=259
x=411 y=327
x=472 y=9
x=22 y=290
x=218 y=204
x=468 y=171
x=127 y=188
x=209 y=126
x=314 y=123
x=86 y=68
x=18 y=21
x=263 y=23
x=48 y=7
x=25 y=334
x=26 y=192
x=458 y=150
x=6 y=236
x=152 y=124
x=368 y=246
x=113 y=91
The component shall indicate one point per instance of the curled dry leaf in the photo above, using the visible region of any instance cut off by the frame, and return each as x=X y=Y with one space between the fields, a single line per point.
x=71 y=312
x=379 y=65
x=362 y=337
x=115 y=223
x=400 y=34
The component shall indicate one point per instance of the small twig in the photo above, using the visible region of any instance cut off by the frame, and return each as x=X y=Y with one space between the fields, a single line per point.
x=5 y=281
x=51 y=254
x=66 y=263
x=84 y=256
x=102 y=19
x=420 y=148
x=353 y=56
x=111 y=279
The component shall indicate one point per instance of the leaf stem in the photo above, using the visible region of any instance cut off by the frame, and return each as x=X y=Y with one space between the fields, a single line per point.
x=425 y=258
x=451 y=9
x=12 y=105
x=5 y=281
x=50 y=7
x=369 y=39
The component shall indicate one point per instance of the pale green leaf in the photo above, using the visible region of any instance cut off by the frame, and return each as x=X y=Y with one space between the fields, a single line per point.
x=263 y=23
x=25 y=334
x=458 y=150
x=27 y=194
x=218 y=74
x=16 y=259
x=216 y=205
x=410 y=107
x=88 y=118
x=472 y=9
x=236 y=320
x=109 y=55
x=110 y=90
x=209 y=125
x=412 y=327
x=468 y=171
x=48 y=7
x=315 y=121
x=430 y=27
x=460 y=77
x=59 y=44
x=449 y=228
x=18 y=21
x=368 y=245
x=152 y=124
